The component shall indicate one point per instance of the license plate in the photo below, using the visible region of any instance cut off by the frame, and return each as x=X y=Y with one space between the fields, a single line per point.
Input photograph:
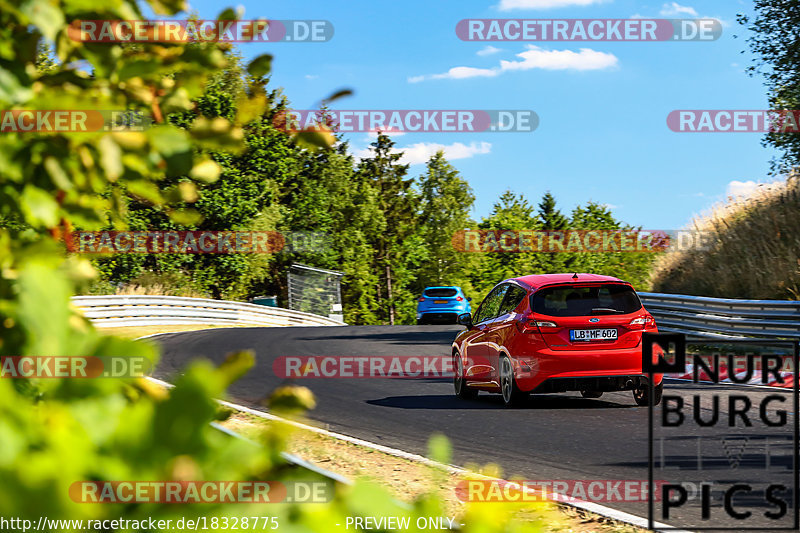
x=440 y=301
x=578 y=335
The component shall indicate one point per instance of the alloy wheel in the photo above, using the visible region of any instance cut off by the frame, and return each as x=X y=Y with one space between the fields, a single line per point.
x=506 y=380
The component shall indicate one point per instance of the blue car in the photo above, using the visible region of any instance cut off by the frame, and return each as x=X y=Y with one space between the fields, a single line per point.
x=442 y=305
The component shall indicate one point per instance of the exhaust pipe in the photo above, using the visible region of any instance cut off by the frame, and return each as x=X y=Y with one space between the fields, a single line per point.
x=629 y=384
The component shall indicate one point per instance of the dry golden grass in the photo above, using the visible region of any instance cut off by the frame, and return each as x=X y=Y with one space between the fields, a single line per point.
x=134 y=332
x=754 y=252
x=158 y=289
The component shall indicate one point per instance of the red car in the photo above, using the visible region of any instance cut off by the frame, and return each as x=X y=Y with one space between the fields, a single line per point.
x=555 y=333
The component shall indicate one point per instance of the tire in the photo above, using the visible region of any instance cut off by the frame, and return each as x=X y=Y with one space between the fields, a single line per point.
x=591 y=393
x=460 y=385
x=421 y=321
x=642 y=395
x=512 y=395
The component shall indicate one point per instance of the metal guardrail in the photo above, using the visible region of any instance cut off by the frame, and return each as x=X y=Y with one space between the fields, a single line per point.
x=142 y=310
x=700 y=316
x=693 y=315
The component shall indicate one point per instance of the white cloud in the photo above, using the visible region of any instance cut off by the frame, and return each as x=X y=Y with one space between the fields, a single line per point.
x=311 y=76
x=674 y=9
x=372 y=135
x=586 y=59
x=509 y=5
x=741 y=188
x=458 y=73
x=532 y=58
x=489 y=50
x=420 y=153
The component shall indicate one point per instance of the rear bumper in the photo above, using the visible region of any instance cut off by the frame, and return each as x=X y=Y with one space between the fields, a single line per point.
x=603 y=384
x=558 y=369
x=439 y=316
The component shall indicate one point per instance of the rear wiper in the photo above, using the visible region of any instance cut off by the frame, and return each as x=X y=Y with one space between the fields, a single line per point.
x=606 y=311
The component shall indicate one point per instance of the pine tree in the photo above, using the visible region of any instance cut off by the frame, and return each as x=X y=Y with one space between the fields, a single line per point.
x=398 y=203
x=446 y=199
x=552 y=219
x=549 y=216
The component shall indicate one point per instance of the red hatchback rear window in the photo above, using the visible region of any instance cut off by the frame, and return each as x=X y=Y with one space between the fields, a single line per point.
x=568 y=300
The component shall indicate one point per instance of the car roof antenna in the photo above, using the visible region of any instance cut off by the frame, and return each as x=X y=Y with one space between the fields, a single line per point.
x=575 y=275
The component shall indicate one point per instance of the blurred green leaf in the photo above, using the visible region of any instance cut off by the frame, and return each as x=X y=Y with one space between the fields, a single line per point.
x=318 y=138
x=169 y=140
x=260 y=66
x=146 y=190
x=110 y=157
x=337 y=95
x=440 y=449
x=138 y=68
x=39 y=207
x=207 y=171
x=45 y=15
x=236 y=365
x=291 y=399
x=228 y=14
x=185 y=217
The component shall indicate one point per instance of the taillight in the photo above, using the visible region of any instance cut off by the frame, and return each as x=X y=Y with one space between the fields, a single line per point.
x=421 y=299
x=459 y=299
x=545 y=326
x=531 y=325
x=642 y=322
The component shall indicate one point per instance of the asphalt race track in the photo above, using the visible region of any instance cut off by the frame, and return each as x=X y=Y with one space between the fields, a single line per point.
x=561 y=436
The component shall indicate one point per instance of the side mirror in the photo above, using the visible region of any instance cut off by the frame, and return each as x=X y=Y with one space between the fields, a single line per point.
x=465 y=319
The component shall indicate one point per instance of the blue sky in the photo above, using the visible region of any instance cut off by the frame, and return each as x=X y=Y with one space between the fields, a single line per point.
x=602 y=134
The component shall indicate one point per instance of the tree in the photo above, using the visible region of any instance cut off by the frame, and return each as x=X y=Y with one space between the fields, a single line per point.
x=245 y=197
x=550 y=217
x=775 y=41
x=630 y=266
x=446 y=199
x=397 y=203
x=511 y=212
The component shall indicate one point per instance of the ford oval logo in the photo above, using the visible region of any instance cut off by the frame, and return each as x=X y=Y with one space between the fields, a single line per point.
x=594 y=320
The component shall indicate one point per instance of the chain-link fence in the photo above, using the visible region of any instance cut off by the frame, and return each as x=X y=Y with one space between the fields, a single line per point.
x=315 y=290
